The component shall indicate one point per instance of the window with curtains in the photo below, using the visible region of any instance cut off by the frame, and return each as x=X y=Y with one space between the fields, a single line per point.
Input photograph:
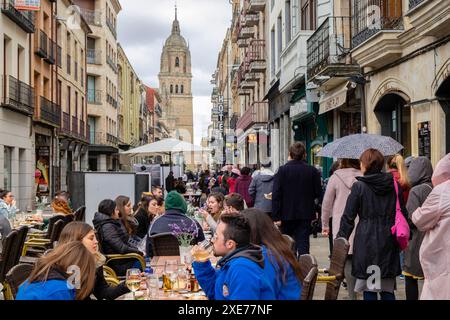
x=308 y=14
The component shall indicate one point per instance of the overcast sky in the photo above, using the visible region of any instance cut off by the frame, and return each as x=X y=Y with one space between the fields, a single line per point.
x=144 y=25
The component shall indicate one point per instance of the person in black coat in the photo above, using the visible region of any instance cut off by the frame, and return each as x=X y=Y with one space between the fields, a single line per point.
x=170 y=182
x=112 y=236
x=373 y=200
x=296 y=186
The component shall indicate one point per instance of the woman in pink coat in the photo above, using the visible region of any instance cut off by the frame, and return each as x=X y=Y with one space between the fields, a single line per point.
x=333 y=205
x=433 y=218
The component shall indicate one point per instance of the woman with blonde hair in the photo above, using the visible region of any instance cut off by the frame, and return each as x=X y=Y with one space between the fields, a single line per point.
x=396 y=165
x=51 y=276
x=80 y=231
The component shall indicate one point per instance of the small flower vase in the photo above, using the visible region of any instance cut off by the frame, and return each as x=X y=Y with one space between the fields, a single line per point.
x=185 y=254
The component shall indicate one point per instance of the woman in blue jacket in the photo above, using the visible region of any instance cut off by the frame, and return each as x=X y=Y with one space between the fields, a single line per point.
x=280 y=265
x=55 y=278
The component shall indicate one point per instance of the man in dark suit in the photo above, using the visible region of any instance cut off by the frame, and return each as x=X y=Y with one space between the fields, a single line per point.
x=296 y=187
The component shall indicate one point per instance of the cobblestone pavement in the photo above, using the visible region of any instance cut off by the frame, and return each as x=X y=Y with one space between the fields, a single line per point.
x=320 y=249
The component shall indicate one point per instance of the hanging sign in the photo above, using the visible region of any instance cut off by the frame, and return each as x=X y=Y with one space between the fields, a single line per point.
x=30 y=5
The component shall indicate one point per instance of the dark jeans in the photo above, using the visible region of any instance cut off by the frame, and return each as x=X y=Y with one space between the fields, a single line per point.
x=299 y=230
x=368 y=295
x=330 y=236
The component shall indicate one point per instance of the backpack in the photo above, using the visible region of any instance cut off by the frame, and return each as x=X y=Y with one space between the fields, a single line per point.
x=401 y=228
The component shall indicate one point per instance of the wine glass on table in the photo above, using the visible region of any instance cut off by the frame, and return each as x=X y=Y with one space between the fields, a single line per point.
x=133 y=281
x=171 y=273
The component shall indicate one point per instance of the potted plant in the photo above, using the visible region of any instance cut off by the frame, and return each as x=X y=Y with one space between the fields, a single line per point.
x=185 y=235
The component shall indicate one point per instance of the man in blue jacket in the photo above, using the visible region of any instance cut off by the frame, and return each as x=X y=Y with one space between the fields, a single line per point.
x=240 y=273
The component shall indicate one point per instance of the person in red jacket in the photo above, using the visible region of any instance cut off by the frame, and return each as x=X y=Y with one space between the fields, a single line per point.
x=235 y=173
x=242 y=185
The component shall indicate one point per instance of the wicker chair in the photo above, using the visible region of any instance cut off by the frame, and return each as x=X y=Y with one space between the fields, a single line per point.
x=291 y=242
x=39 y=246
x=165 y=244
x=14 y=278
x=335 y=274
x=7 y=258
x=309 y=271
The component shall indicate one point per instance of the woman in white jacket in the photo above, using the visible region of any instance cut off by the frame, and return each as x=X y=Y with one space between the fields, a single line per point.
x=433 y=218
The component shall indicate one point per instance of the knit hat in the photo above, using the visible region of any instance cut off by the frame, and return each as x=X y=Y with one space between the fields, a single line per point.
x=175 y=200
x=442 y=171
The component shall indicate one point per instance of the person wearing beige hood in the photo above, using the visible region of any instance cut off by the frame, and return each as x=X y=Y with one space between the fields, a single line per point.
x=433 y=219
x=333 y=205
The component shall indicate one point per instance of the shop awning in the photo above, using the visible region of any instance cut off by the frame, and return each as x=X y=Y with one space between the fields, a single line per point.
x=333 y=99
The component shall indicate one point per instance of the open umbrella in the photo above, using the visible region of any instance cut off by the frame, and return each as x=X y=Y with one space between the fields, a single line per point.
x=169 y=146
x=352 y=146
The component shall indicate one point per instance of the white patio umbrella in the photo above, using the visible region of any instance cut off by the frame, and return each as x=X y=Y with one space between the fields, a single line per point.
x=169 y=146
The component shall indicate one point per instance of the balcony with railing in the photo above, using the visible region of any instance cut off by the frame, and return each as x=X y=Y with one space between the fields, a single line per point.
x=375 y=32
x=111 y=27
x=112 y=64
x=94 y=56
x=82 y=132
x=24 y=19
x=65 y=124
x=50 y=112
x=256 y=5
x=41 y=44
x=92 y=17
x=51 y=53
x=328 y=50
x=17 y=95
x=257 y=113
x=431 y=17
x=257 y=56
x=94 y=96
x=250 y=19
x=74 y=126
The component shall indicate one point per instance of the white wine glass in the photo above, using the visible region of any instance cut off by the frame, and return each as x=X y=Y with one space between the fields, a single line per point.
x=133 y=281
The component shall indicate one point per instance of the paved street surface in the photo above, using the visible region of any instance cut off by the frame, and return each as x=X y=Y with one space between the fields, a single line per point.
x=319 y=248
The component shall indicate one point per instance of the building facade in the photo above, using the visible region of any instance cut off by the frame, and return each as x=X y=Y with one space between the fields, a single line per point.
x=47 y=116
x=175 y=85
x=102 y=82
x=71 y=93
x=17 y=104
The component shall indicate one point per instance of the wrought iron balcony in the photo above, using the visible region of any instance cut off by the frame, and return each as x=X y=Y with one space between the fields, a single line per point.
x=74 y=126
x=24 y=19
x=94 y=56
x=41 y=44
x=112 y=28
x=365 y=25
x=257 y=5
x=65 y=124
x=250 y=19
x=92 y=17
x=82 y=131
x=257 y=113
x=256 y=56
x=50 y=112
x=246 y=32
x=18 y=96
x=329 y=45
x=112 y=64
x=414 y=3
x=94 y=96
x=111 y=139
x=51 y=53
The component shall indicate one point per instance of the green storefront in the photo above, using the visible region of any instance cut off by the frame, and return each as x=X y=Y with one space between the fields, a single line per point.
x=312 y=129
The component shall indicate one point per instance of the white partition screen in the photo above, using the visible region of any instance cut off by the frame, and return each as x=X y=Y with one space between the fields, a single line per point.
x=108 y=185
